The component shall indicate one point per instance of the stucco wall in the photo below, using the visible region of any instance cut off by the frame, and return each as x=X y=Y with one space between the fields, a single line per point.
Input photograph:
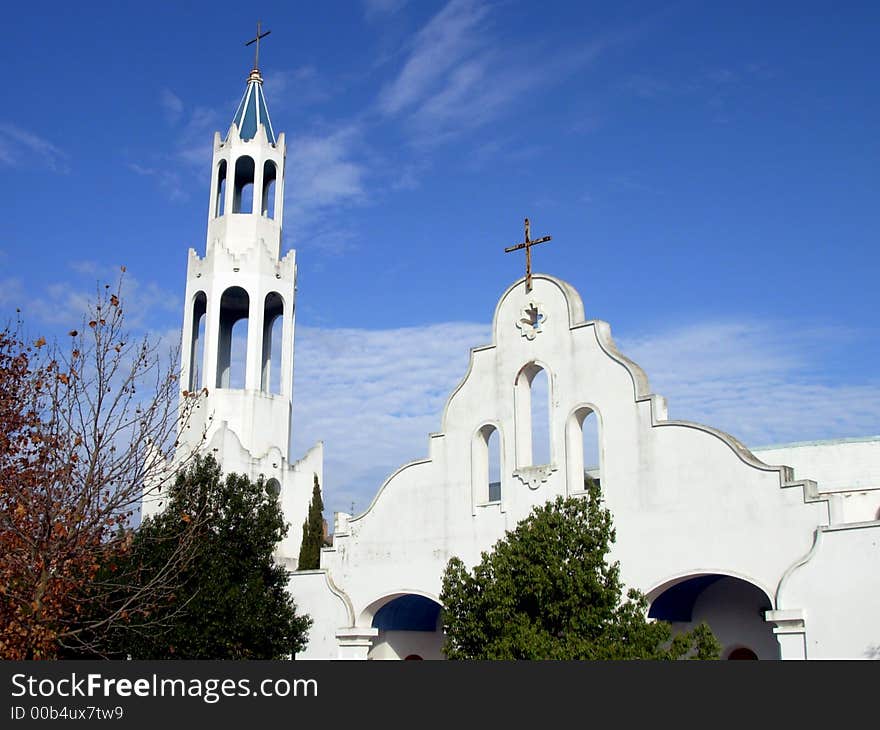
x=848 y=468
x=839 y=588
x=315 y=597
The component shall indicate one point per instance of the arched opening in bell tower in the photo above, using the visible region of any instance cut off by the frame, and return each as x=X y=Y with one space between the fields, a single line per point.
x=486 y=464
x=532 y=399
x=269 y=175
x=197 y=341
x=232 y=356
x=273 y=315
x=243 y=192
x=583 y=446
x=220 y=200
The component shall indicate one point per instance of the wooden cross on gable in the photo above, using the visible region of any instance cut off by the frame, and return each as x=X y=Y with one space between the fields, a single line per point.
x=527 y=245
x=257 y=41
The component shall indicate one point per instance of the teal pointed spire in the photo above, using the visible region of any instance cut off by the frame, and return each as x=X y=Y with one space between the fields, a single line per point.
x=252 y=110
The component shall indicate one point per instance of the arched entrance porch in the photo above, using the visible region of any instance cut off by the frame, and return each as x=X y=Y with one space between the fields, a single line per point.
x=732 y=607
x=409 y=627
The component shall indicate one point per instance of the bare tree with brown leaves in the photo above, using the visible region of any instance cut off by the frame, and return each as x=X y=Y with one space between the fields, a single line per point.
x=84 y=429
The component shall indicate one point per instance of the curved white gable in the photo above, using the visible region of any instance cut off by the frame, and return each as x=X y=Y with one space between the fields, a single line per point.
x=686 y=499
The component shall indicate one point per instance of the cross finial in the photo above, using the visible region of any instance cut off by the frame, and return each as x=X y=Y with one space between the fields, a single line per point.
x=527 y=245
x=257 y=41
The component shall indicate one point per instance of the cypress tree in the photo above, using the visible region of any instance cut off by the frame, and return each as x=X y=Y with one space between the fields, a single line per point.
x=313 y=532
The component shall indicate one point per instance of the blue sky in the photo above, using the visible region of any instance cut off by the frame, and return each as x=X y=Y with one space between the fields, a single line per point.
x=708 y=174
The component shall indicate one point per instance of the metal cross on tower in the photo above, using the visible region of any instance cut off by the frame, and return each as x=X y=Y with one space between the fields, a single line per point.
x=257 y=41
x=527 y=245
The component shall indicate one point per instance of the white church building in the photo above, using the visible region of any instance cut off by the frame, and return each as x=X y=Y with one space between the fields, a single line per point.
x=777 y=549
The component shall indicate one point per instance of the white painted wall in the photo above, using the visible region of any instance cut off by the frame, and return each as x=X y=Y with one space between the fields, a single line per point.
x=847 y=468
x=329 y=610
x=839 y=588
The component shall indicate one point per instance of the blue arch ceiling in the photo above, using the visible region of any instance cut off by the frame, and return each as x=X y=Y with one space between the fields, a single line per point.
x=677 y=603
x=407 y=613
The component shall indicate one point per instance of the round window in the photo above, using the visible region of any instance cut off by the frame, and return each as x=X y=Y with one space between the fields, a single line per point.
x=273 y=487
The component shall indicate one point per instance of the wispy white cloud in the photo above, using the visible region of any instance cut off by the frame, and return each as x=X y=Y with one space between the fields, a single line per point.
x=177 y=171
x=322 y=172
x=18 y=148
x=711 y=350
x=761 y=382
x=373 y=396
x=458 y=75
x=65 y=303
x=195 y=138
x=447 y=39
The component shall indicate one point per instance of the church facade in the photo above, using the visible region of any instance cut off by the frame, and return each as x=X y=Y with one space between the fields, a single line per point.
x=779 y=564
x=778 y=550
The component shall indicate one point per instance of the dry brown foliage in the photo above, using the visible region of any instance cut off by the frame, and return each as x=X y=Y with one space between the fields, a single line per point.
x=83 y=428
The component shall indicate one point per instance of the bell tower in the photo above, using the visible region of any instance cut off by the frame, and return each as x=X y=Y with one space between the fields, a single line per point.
x=238 y=319
x=241 y=296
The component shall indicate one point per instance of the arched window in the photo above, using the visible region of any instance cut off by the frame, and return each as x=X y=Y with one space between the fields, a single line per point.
x=220 y=200
x=269 y=174
x=197 y=341
x=486 y=465
x=494 y=476
x=273 y=314
x=232 y=344
x=532 y=399
x=540 y=402
x=583 y=449
x=243 y=192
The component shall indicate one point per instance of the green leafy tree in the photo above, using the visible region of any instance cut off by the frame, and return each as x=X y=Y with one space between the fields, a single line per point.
x=547 y=591
x=313 y=532
x=231 y=601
